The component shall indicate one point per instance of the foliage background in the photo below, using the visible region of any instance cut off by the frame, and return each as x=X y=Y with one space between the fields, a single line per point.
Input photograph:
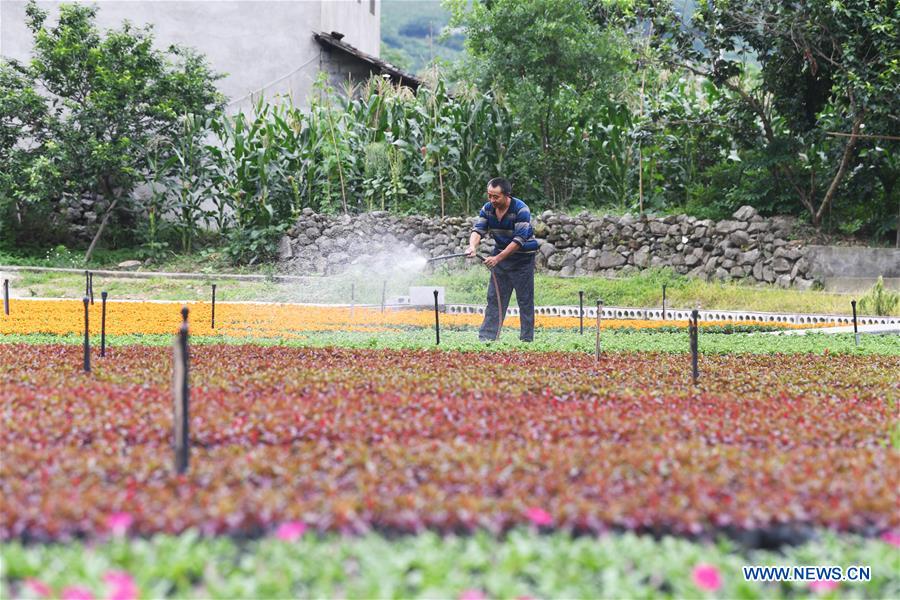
x=603 y=105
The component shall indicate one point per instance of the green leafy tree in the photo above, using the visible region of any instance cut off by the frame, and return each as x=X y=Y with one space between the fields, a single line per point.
x=109 y=95
x=22 y=115
x=826 y=69
x=554 y=64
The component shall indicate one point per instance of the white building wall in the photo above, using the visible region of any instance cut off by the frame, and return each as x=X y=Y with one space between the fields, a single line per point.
x=259 y=44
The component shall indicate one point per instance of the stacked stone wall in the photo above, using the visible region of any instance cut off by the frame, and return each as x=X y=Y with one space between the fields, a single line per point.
x=745 y=247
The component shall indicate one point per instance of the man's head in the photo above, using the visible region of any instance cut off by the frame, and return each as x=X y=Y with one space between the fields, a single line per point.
x=499 y=192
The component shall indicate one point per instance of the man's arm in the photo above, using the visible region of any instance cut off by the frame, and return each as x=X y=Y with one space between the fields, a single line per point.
x=474 y=240
x=479 y=229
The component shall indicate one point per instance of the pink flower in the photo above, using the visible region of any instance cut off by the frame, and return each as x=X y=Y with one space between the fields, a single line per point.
x=121 y=586
x=823 y=585
x=37 y=588
x=472 y=595
x=119 y=522
x=539 y=517
x=77 y=592
x=891 y=537
x=707 y=577
x=290 y=531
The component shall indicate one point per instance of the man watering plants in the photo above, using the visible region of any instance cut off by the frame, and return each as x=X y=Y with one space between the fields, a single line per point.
x=508 y=220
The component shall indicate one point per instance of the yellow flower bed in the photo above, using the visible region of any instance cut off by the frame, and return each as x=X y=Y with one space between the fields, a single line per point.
x=260 y=320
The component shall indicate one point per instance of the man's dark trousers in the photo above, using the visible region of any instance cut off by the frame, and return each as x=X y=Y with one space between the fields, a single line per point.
x=514 y=273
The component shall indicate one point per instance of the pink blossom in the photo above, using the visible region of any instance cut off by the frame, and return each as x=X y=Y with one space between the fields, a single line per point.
x=119 y=522
x=707 y=577
x=539 y=517
x=290 y=531
x=37 y=588
x=77 y=592
x=121 y=586
x=891 y=537
x=823 y=585
x=472 y=595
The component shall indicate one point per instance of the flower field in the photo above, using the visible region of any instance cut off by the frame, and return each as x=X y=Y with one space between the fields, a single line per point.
x=355 y=440
x=61 y=317
x=339 y=453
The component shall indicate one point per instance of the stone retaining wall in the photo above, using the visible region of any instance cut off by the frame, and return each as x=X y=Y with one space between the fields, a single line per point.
x=746 y=247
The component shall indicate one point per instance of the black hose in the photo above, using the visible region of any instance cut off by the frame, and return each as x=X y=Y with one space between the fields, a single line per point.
x=497 y=293
x=493 y=278
x=499 y=304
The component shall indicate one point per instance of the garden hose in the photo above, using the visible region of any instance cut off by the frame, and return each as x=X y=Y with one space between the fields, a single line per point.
x=493 y=278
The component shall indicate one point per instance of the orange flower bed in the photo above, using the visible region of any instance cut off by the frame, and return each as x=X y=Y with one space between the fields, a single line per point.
x=262 y=320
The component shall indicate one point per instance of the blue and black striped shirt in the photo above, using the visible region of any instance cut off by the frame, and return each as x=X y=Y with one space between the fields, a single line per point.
x=515 y=226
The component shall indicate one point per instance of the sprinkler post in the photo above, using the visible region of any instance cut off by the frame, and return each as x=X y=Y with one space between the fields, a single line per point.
x=581 y=312
x=855 y=328
x=599 y=316
x=87 y=283
x=694 y=330
x=91 y=286
x=6 y=296
x=103 y=296
x=664 y=303
x=213 y=306
x=181 y=397
x=383 y=294
x=87 y=339
x=437 y=322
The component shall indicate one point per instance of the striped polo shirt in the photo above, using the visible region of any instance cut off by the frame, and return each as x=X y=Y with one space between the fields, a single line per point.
x=515 y=226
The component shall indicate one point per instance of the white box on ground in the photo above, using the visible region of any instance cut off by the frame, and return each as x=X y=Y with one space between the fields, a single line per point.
x=424 y=295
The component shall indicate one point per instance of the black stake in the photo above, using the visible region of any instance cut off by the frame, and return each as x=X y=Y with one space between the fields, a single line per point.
x=694 y=328
x=599 y=316
x=581 y=313
x=87 y=283
x=91 y=286
x=437 y=321
x=181 y=397
x=213 y=306
x=103 y=296
x=87 y=339
x=383 y=294
x=6 y=296
x=855 y=329
x=664 y=303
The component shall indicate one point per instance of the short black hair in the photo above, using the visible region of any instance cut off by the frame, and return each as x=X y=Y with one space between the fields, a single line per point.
x=503 y=184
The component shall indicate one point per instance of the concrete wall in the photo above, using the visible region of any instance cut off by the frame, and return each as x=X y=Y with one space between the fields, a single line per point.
x=853 y=268
x=853 y=261
x=256 y=43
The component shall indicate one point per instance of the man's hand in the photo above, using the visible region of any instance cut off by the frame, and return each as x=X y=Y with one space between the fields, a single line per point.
x=471 y=251
x=492 y=261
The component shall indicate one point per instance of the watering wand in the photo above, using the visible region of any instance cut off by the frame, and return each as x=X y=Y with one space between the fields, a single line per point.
x=455 y=255
x=447 y=256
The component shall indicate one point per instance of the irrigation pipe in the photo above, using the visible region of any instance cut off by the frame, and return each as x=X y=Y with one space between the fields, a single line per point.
x=493 y=278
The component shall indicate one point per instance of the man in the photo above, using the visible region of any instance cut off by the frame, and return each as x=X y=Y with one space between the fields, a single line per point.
x=508 y=220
